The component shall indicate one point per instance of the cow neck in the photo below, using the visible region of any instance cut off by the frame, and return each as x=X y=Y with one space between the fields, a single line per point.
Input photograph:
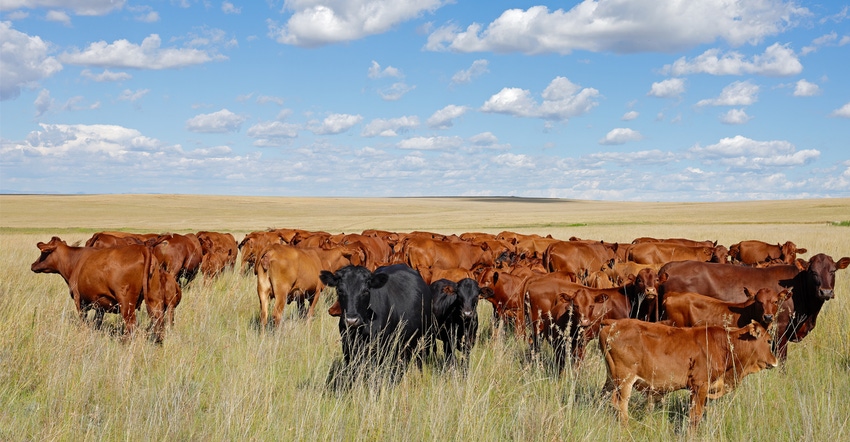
x=69 y=258
x=807 y=303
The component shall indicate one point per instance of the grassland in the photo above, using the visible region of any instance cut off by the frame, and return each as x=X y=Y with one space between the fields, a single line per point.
x=217 y=377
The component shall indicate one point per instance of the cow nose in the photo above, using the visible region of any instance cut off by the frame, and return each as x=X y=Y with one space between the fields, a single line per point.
x=826 y=294
x=584 y=322
x=768 y=318
x=351 y=322
x=467 y=313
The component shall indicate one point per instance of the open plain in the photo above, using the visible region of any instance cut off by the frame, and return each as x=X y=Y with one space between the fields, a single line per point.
x=218 y=377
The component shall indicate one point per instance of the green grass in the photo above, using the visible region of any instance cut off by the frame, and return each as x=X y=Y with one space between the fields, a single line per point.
x=218 y=377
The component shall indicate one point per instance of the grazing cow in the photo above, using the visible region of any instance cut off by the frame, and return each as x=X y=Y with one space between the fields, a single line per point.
x=179 y=255
x=106 y=239
x=455 y=309
x=385 y=315
x=578 y=257
x=692 y=309
x=658 y=359
x=287 y=274
x=429 y=253
x=756 y=252
x=660 y=253
x=812 y=284
x=254 y=244
x=504 y=292
x=113 y=280
x=680 y=241
x=219 y=252
x=540 y=293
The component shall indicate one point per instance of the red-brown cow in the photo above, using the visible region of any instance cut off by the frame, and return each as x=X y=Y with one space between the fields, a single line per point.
x=114 y=238
x=692 y=309
x=286 y=274
x=578 y=257
x=116 y=279
x=661 y=253
x=812 y=284
x=756 y=252
x=680 y=241
x=219 y=252
x=254 y=244
x=429 y=253
x=658 y=359
x=504 y=294
x=180 y=255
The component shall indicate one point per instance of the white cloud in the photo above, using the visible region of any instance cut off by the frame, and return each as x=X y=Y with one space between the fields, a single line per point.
x=642 y=158
x=630 y=115
x=444 y=118
x=320 y=22
x=272 y=133
x=43 y=102
x=622 y=26
x=222 y=121
x=58 y=16
x=431 y=143
x=777 y=60
x=396 y=91
x=804 y=88
x=106 y=75
x=669 y=88
x=79 y=7
x=562 y=100
x=71 y=139
x=128 y=95
x=735 y=116
x=744 y=153
x=24 y=60
x=484 y=139
x=621 y=135
x=479 y=67
x=739 y=93
x=390 y=127
x=228 y=8
x=375 y=71
x=335 y=124
x=843 y=111
x=147 y=55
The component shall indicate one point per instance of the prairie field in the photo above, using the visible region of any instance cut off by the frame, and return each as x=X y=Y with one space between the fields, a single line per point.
x=217 y=376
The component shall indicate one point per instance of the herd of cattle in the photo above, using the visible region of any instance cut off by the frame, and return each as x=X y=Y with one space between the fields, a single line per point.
x=668 y=314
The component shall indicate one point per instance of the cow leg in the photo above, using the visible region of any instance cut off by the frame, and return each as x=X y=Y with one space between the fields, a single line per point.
x=699 y=396
x=156 y=312
x=620 y=397
x=264 y=292
x=314 y=300
x=128 y=311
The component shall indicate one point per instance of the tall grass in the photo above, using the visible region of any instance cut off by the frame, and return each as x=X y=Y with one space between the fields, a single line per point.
x=217 y=376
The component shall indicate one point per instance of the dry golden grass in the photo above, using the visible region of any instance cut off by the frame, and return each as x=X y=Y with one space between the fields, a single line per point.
x=217 y=377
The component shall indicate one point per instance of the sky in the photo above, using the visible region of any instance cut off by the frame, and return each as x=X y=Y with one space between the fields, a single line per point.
x=616 y=100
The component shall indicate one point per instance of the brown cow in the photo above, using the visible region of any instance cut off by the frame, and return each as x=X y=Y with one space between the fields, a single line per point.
x=180 y=255
x=661 y=253
x=680 y=241
x=254 y=244
x=540 y=294
x=287 y=274
x=504 y=294
x=692 y=309
x=115 y=279
x=578 y=257
x=812 y=284
x=114 y=238
x=759 y=252
x=219 y=252
x=658 y=359
x=429 y=253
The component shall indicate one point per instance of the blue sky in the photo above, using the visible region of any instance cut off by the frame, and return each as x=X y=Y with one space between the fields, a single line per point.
x=632 y=100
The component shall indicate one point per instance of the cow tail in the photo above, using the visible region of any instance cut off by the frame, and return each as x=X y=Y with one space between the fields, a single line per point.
x=150 y=268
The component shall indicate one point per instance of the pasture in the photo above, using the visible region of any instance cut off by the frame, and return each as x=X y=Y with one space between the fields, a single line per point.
x=217 y=376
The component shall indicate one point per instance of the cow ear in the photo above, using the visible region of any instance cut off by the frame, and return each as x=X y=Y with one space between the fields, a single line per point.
x=329 y=279
x=842 y=263
x=378 y=280
x=749 y=294
x=335 y=309
x=600 y=298
x=632 y=278
x=753 y=329
x=495 y=277
x=802 y=251
x=662 y=278
x=449 y=290
x=801 y=264
x=566 y=297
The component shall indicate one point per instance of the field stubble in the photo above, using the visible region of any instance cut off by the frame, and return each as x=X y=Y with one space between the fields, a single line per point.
x=218 y=377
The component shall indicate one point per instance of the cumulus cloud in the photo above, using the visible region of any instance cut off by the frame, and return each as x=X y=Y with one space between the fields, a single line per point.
x=229 y=8
x=147 y=55
x=843 y=111
x=431 y=143
x=643 y=157
x=395 y=91
x=740 y=152
x=622 y=26
x=43 y=102
x=320 y=22
x=222 y=121
x=777 y=60
x=735 y=116
x=79 y=7
x=669 y=88
x=630 y=115
x=106 y=75
x=390 y=127
x=479 y=67
x=739 y=93
x=621 y=135
x=132 y=96
x=444 y=118
x=24 y=61
x=484 y=139
x=804 y=88
x=375 y=71
x=58 y=16
x=72 y=139
x=562 y=100
x=334 y=124
x=272 y=133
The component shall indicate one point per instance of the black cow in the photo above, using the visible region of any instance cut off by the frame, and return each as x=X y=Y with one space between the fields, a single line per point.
x=455 y=306
x=385 y=316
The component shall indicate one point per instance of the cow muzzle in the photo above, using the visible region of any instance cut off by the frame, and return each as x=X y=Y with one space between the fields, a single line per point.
x=767 y=318
x=353 y=322
x=826 y=294
x=467 y=314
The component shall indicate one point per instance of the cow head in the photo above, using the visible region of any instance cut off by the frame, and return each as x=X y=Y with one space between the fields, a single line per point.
x=821 y=274
x=47 y=262
x=768 y=303
x=352 y=284
x=721 y=254
x=468 y=293
x=587 y=309
x=645 y=283
x=789 y=252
